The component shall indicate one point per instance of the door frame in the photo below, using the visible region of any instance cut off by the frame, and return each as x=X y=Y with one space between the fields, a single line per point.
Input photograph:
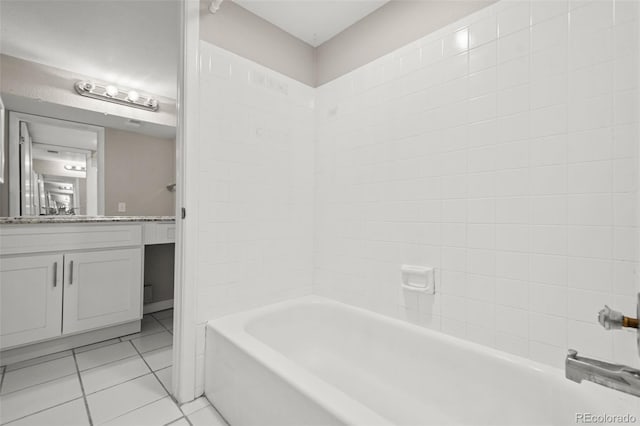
x=187 y=188
x=14 y=154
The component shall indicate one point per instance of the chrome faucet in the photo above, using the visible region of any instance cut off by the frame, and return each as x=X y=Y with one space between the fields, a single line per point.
x=614 y=376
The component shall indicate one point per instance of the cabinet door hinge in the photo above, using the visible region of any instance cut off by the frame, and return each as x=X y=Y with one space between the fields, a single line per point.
x=184 y=212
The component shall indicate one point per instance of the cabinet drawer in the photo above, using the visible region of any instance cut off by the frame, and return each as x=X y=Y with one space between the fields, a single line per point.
x=159 y=233
x=18 y=239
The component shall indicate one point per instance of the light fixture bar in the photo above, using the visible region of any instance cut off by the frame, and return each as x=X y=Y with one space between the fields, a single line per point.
x=116 y=95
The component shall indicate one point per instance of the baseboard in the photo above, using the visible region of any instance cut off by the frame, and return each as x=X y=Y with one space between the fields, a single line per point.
x=157 y=306
x=22 y=353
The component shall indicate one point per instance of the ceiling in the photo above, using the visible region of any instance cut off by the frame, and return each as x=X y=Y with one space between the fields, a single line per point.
x=63 y=136
x=132 y=43
x=312 y=21
x=48 y=153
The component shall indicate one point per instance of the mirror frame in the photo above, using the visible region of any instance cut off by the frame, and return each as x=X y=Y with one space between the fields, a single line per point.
x=3 y=140
x=14 y=155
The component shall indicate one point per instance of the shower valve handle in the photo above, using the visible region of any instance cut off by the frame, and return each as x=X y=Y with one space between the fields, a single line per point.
x=613 y=320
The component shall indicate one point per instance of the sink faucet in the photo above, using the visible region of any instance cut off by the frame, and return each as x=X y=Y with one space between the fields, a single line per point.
x=614 y=376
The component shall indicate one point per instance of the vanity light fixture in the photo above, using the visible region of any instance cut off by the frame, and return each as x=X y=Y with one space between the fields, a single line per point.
x=111 y=93
x=74 y=168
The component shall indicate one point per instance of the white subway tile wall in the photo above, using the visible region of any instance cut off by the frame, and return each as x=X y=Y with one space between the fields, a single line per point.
x=256 y=166
x=502 y=150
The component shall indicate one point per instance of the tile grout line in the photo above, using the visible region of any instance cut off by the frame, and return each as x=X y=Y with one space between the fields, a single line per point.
x=128 y=337
x=156 y=376
x=178 y=419
x=36 y=384
x=72 y=352
x=98 y=345
x=142 y=406
x=163 y=326
x=37 y=363
x=216 y=410
x=4 y=373
x=107 y=363
x=84 y=395
x=118 y=384
x=40 y=411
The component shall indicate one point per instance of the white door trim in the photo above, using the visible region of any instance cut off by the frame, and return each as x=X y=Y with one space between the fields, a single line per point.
x=187 y=189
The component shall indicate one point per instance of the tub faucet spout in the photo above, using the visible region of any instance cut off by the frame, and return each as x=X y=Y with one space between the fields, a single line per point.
x=614 y=376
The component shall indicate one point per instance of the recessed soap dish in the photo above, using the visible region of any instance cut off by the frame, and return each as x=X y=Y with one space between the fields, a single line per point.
x=418 y=278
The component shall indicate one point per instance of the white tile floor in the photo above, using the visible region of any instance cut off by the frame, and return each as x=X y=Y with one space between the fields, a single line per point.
x=119 y=382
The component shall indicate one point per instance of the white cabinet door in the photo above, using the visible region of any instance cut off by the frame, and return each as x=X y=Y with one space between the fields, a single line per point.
x=102 y=288
x=30 y=299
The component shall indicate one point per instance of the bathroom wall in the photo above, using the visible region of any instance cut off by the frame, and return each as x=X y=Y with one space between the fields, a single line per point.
x=239 y=31
x=50 y=85
x=138 y=169
x=255 y=215
x=507 y=162
x=377 y=34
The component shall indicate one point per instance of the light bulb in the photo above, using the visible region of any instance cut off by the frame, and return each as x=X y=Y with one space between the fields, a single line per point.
x=151 y=103
x=87 y=86
x=111 y=91
x=133 y=96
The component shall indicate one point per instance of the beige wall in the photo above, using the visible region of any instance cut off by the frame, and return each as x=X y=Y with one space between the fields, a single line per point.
x=138 y=169
x=239 y=31
x=30 y=80
x=395 y=24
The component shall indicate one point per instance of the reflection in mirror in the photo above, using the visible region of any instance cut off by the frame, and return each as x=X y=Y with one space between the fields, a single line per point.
x=129 y=153
x=60 y=169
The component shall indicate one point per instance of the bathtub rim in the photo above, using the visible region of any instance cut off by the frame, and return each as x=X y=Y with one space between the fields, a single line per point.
x=232 y=328
x=331 y=399
x=236 y=322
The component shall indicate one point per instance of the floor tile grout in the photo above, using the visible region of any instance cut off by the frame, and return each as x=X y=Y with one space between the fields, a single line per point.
x=163 y=326
x=215 y=409
x=178 y=419
x=155 y=375
x=118 y=384
x=127 y=338
x=110 y=362
x=40 y=411
x=40 y=362
x=4 y=368
x=84 y=394
x=153 y=314
x=102 y=344
x=35 y=384
x=137 y=408
x=74 y=353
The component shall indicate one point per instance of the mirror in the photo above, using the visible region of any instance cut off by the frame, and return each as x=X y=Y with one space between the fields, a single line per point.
x=61 y=170
x=89 y=108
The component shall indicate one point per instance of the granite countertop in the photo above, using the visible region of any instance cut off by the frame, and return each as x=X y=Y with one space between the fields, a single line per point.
x=24 y=220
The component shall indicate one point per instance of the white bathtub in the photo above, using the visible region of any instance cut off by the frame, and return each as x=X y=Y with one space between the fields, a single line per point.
x=312 y=361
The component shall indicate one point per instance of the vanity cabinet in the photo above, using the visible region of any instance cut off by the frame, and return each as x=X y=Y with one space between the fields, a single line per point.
x=101 y=288
x=62 y=280
x=30 y=298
